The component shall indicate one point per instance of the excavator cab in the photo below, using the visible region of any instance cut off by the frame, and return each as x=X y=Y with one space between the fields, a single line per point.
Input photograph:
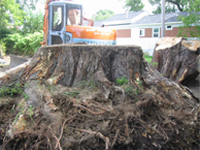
x=63 y=14
x=63 y=23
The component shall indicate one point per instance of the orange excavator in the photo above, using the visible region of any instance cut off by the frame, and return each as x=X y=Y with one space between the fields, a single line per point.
x=64 y=23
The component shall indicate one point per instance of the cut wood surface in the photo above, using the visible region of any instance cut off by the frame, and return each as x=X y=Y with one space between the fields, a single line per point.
x=177 y=59
x=71 y=100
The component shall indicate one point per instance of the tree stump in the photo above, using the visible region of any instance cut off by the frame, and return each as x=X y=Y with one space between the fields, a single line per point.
x=177 y=59
x=71 y=95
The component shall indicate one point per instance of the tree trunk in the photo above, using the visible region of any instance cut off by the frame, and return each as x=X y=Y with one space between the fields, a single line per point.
x=177 y=59
x=77 y=104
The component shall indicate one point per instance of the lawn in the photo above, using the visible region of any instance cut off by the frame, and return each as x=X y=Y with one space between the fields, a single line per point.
x=148 y=58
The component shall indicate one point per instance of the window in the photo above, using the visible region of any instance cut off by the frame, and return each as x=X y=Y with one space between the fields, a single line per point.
x=57 y=18
x=74 y=15
x=156 y=32
x=142 y=32
x=169 y=27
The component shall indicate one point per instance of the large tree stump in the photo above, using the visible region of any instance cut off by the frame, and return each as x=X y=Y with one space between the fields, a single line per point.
x=77 y=104
x=177 y=58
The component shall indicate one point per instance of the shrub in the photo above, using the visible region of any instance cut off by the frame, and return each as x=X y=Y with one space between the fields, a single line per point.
x=25 y=44
x=2 y=48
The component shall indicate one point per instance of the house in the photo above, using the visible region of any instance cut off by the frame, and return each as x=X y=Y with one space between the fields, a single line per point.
x=143 y=29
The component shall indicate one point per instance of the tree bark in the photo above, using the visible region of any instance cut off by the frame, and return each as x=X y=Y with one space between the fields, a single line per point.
x=177 y=59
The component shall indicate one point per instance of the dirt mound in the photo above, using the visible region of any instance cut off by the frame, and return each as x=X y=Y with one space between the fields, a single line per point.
x=84 y=119
x=123 y=104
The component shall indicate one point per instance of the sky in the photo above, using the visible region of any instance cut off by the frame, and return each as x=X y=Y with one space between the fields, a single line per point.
x=90 y=7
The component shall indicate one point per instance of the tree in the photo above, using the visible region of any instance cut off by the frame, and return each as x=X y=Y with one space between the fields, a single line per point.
x=134 y=5
x=33 y=22
x=27 y=4
x=20 y=13
x=179 y=61
x=171 y=5
x=11 y=14
x=191 y=21
x=103 y=14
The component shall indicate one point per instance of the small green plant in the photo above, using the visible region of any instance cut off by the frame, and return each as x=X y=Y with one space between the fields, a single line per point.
x=25 y=96
x=31 y=112
x=17 y=116
x=155 y=64
x=90 y=85
x=122 y=81
x=140 y=84
x=137 y=92
x=11 y=91
x=72 y=94
x=129 y=90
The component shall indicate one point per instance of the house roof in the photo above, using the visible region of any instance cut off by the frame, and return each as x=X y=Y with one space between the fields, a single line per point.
x=169 y=17
x=148 y=19
x=125 y=16
x=98 y=23
x=119 y=17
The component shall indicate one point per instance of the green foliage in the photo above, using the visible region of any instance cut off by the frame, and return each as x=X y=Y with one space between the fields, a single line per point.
x=17 y=116
x=90 y=85
x=122 y=81
x=134 y=5
x=14 y=90
x=25 y=96
x=11 y=91
x=131 y=91
x=103 y=15
x=25 y=44
x=2 y=48
x=4 y=32
x=10 y=8
x=27 y=4
x=17 y=14
x=191 y=21
x=30 y=112
x=134 y=91
x=73 y=93
x=170 y=6
x=155 y=64
x=33 y=22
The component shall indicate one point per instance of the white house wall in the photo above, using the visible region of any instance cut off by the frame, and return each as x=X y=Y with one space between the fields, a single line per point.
x=148 y=43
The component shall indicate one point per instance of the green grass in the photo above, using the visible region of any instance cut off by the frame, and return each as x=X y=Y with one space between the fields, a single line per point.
x=1 y=65
x=148 y=58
